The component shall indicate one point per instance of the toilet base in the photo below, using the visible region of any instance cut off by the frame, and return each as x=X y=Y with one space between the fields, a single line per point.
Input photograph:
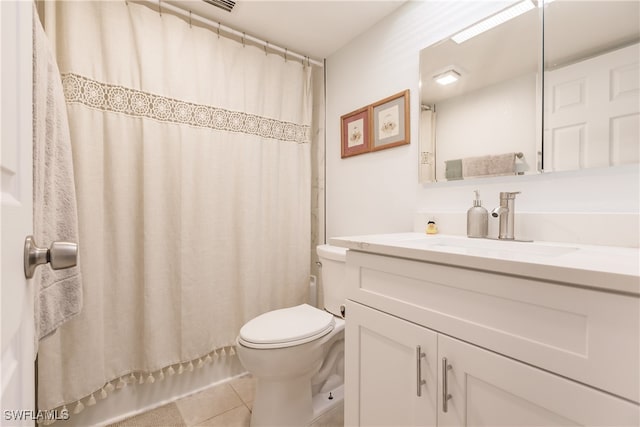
x=291 y=404
x=322 y=404
x=282 y=403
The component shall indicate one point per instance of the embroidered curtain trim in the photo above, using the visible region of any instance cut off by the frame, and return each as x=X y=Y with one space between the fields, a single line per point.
x=49 y=416
x=107 y=97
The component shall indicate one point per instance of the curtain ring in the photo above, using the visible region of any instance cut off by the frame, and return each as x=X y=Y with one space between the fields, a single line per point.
x=190 y=20
x=285 y=54
x=243 y=36
x=266 y=46
x=218 y=29
x=160 y=8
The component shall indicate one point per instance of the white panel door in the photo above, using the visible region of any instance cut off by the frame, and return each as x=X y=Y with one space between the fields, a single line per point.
x=384 y=369
x=487 y=389
x=592 y=112
x=17 y=353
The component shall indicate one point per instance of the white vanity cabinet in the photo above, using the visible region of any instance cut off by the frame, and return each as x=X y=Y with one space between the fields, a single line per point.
x=521 y=351
x=392 y=369
x=487 y=389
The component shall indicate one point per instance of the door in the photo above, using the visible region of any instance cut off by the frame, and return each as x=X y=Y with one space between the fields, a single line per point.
x=593 y=115
x=487 y=389
x=16 y=293
x=386 y=361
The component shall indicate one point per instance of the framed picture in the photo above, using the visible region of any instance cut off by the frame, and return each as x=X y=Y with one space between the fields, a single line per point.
x=355 y=130
x=391 y=121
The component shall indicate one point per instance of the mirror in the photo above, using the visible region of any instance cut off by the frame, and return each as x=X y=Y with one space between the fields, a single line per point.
x=488 y=122
x=591 y=84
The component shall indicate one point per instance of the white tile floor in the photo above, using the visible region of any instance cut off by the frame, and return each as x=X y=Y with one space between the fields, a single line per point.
x=228 y=404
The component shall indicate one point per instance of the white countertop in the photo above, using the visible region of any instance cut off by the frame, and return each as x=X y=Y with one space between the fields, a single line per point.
x=607 y=268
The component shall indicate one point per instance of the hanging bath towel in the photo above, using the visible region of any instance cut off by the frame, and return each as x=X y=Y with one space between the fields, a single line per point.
x=59 y=293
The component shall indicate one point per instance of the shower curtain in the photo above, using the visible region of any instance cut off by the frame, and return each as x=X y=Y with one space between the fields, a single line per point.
x=192 y=168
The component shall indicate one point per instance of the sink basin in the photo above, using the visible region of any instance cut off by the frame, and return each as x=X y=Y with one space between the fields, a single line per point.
x=488 y=247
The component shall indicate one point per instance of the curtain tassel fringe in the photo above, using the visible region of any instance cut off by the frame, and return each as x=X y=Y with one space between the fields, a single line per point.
x=91 y=401
x=79 y=407
x=121 y=383
x=131 y=378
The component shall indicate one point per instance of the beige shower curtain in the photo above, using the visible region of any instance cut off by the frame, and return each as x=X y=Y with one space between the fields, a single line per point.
x=192 y=167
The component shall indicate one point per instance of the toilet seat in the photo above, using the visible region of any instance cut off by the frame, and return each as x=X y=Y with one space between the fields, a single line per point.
x=286 y=327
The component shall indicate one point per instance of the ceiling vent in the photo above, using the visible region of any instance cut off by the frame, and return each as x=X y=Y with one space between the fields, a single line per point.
x=222 y=4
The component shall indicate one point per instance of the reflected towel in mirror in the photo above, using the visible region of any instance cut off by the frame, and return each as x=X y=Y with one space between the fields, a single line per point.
x=453 y=169
x=498 y=165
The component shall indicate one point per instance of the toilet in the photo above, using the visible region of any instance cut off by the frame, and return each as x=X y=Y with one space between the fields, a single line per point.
x=296 y=354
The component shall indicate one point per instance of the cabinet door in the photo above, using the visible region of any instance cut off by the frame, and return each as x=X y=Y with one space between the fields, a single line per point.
x=383 y=369
x=487 y=389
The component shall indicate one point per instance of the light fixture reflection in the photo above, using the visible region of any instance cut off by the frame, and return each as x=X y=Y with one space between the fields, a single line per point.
x=446 y=78
x=493 y=21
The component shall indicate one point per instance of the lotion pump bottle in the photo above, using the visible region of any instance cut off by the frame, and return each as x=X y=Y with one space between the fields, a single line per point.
x=477 y=219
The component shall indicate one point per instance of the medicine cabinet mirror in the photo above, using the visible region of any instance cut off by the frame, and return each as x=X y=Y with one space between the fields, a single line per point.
x=591 y=84
x=489 y=122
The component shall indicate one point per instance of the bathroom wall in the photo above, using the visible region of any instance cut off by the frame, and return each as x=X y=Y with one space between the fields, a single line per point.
x=379 y=192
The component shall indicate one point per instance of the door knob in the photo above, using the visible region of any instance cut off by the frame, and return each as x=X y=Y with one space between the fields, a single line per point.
x=60 y=255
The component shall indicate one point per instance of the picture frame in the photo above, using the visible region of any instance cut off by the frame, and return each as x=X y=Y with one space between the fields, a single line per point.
x=390 y=122
x=356 y=132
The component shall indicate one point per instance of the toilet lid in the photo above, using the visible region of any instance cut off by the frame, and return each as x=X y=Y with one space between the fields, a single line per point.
x=286 y=327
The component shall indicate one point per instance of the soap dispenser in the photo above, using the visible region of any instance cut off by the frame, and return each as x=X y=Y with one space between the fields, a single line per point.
x=477 y=219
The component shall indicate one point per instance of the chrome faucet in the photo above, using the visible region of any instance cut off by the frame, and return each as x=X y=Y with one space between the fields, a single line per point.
x=505 y=212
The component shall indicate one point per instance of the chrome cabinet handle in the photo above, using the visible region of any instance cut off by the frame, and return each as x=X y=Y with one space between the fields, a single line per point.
x=445 y=385
x=60 y=255
x=420 y=382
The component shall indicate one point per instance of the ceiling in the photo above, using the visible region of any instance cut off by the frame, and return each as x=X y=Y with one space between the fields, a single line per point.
x=314 y=28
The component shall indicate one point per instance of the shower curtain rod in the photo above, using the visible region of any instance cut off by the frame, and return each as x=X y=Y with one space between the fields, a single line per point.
x=223 y=28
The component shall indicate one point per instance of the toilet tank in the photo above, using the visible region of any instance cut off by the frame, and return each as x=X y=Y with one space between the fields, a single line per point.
x=332 y=276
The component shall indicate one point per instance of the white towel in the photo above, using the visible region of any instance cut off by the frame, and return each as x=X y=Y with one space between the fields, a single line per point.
x=59 y=293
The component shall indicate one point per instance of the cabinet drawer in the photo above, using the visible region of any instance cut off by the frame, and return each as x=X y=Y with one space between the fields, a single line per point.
x=583 y=334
